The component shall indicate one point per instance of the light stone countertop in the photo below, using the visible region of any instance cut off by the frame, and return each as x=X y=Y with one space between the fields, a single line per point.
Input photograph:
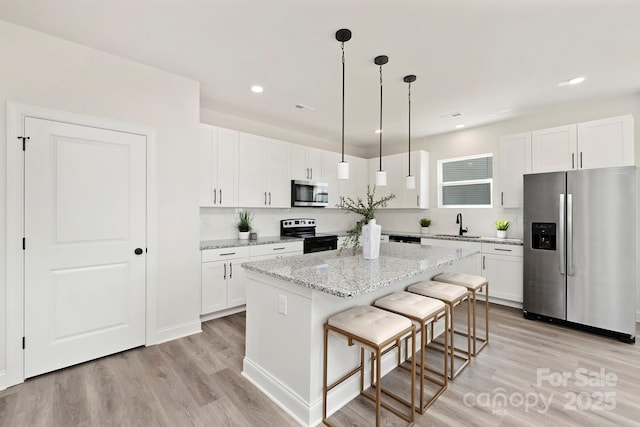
x=236 y=243
x=348 y=276
x=481 y=239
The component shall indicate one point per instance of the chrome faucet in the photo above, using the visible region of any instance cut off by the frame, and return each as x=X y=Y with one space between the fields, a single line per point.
x=459 y=221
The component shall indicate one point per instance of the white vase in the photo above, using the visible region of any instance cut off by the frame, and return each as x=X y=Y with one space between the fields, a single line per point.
x=371 y=240
x=243 y=235
x=502 y=234
x=424 y=230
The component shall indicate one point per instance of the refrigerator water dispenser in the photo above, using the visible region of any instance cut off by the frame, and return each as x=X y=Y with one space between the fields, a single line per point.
x=543 y=236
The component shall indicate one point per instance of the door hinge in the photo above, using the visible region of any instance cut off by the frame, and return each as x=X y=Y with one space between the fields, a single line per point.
x=24 y=141
x=24 y=243
x=23 y=342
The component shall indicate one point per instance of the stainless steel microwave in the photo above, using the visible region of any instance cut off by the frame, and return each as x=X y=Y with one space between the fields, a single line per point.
x=309 y=194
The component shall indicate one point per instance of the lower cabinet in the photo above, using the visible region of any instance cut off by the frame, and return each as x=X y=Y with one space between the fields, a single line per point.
x=223 y=280
x=502 y=266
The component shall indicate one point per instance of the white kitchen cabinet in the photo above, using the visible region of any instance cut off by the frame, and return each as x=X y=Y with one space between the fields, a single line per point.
x=554 y=149
x=502 y=267
x=587 y=145
x=306 y=163
x=329 y=175
x=223 y=280
x=513 y=162
x=605 y=143
x=393 y=166
x=275 y=250
x=418 y=197
x=470 y=265
x=263 y=172
x=218 y=169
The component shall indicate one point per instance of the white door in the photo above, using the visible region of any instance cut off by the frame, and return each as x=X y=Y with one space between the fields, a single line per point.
x=84 y=220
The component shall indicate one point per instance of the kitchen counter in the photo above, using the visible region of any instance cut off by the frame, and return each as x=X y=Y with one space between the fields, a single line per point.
x=290 y=299
x=347 y=275
x=481 y=239
x=234 y=243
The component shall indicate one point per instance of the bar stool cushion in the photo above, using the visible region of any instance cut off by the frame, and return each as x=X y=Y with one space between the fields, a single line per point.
x=442 y=291
x=410 y=304
x=370 y=323
x=469 y=281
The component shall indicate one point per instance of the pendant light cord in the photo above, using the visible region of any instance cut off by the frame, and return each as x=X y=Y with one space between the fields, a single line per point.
x=409 y=129
x=380 y=117
x=342 y=46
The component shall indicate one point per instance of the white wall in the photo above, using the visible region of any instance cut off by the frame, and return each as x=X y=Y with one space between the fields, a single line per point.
x=45 y=71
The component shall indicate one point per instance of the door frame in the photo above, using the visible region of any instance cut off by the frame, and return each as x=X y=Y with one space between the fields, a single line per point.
x=16 y=114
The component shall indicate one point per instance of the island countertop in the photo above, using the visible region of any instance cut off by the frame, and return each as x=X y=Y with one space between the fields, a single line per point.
x=348 y=275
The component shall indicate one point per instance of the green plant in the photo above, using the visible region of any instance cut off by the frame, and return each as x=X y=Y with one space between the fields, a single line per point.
x=502 y=224
x=368 y=212
x=425 y=222
x=244 y=220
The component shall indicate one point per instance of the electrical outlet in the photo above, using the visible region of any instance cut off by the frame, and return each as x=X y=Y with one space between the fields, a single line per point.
x=282 y=304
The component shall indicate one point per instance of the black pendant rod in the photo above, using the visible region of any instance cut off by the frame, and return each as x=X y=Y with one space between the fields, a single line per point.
x=409 y=79
x=380 y=61
x=343 y=35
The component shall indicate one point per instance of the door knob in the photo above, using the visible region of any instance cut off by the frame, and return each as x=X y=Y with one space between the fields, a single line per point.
x=138 y=251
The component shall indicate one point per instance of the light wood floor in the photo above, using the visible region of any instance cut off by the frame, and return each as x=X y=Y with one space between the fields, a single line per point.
x=196 y=381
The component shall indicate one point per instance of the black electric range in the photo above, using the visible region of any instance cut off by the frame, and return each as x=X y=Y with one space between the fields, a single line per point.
x=306 y=228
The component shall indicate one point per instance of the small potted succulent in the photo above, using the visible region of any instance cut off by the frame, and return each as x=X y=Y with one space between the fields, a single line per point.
x=502 y=225
x=244 y=224
x=424 y=225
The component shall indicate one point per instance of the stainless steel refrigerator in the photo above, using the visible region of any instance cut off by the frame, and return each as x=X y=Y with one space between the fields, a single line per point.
x=580 y=249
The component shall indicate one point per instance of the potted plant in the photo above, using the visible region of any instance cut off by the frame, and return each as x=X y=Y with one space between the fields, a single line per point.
x=368 y=211
x=244 y=224
x=502 y=225
x=424 y=225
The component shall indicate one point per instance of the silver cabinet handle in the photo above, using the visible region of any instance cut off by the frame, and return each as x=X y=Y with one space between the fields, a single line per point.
x=418 y=201
x=228 y=253
x=502 y=198
x=503 y=250
x=220 y=195
x=279 y=249
x=572 y=162
x=269 y=198
x=265 y=198
x=483 y=261
x=230 y=270
x=225 y=272
x=215 y=197
x=581 y=160
x=570 y=270
x=307 y=173
x=561 y=219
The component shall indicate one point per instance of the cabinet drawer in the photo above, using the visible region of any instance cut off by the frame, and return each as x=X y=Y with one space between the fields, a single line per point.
x=496 y=248
x=222 y=254
x=276 y=248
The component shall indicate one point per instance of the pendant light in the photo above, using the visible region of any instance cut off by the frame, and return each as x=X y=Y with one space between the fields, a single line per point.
x=381 y=175
x=343 y=35
x=410 y=181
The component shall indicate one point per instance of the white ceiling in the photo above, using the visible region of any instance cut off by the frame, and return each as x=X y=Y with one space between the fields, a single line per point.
x=476 y=57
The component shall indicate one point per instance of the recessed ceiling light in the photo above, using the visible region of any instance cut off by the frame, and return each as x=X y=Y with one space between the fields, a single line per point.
x=573 y=81
x=460 y=126
x=257 y=89
x=378 y=131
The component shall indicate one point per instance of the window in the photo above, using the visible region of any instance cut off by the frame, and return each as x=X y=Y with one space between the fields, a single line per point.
x=465 y=182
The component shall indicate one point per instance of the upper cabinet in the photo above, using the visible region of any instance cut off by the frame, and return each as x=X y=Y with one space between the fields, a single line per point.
x=218 y=172
x=397 y=168
x=263 y=172
x=306 y=163
x=513 y=162
x=588 y=145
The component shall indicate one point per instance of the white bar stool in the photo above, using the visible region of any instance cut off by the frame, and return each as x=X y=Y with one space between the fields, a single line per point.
x=378 y=331
x=475 y=284
x=452 y=295
x=422 y=311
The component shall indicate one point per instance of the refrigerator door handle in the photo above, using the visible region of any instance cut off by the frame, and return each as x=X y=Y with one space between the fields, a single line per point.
x=570 y=269
x=561 y=246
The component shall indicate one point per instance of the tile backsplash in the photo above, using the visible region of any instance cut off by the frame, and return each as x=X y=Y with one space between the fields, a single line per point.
x=220 y=223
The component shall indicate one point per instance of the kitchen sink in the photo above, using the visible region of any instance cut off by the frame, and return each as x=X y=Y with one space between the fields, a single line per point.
x=456 y=236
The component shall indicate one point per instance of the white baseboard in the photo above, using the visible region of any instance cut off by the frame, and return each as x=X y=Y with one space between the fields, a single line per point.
x=3 y=380
x=309 y=413
x=176 y=331
x=222 y=313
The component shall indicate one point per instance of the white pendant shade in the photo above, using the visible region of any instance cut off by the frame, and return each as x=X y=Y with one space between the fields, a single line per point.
x=410 y=182
x=343 y=170
x=381 y=178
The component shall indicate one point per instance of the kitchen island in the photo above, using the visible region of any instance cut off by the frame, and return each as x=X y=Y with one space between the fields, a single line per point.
x=290 y=299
